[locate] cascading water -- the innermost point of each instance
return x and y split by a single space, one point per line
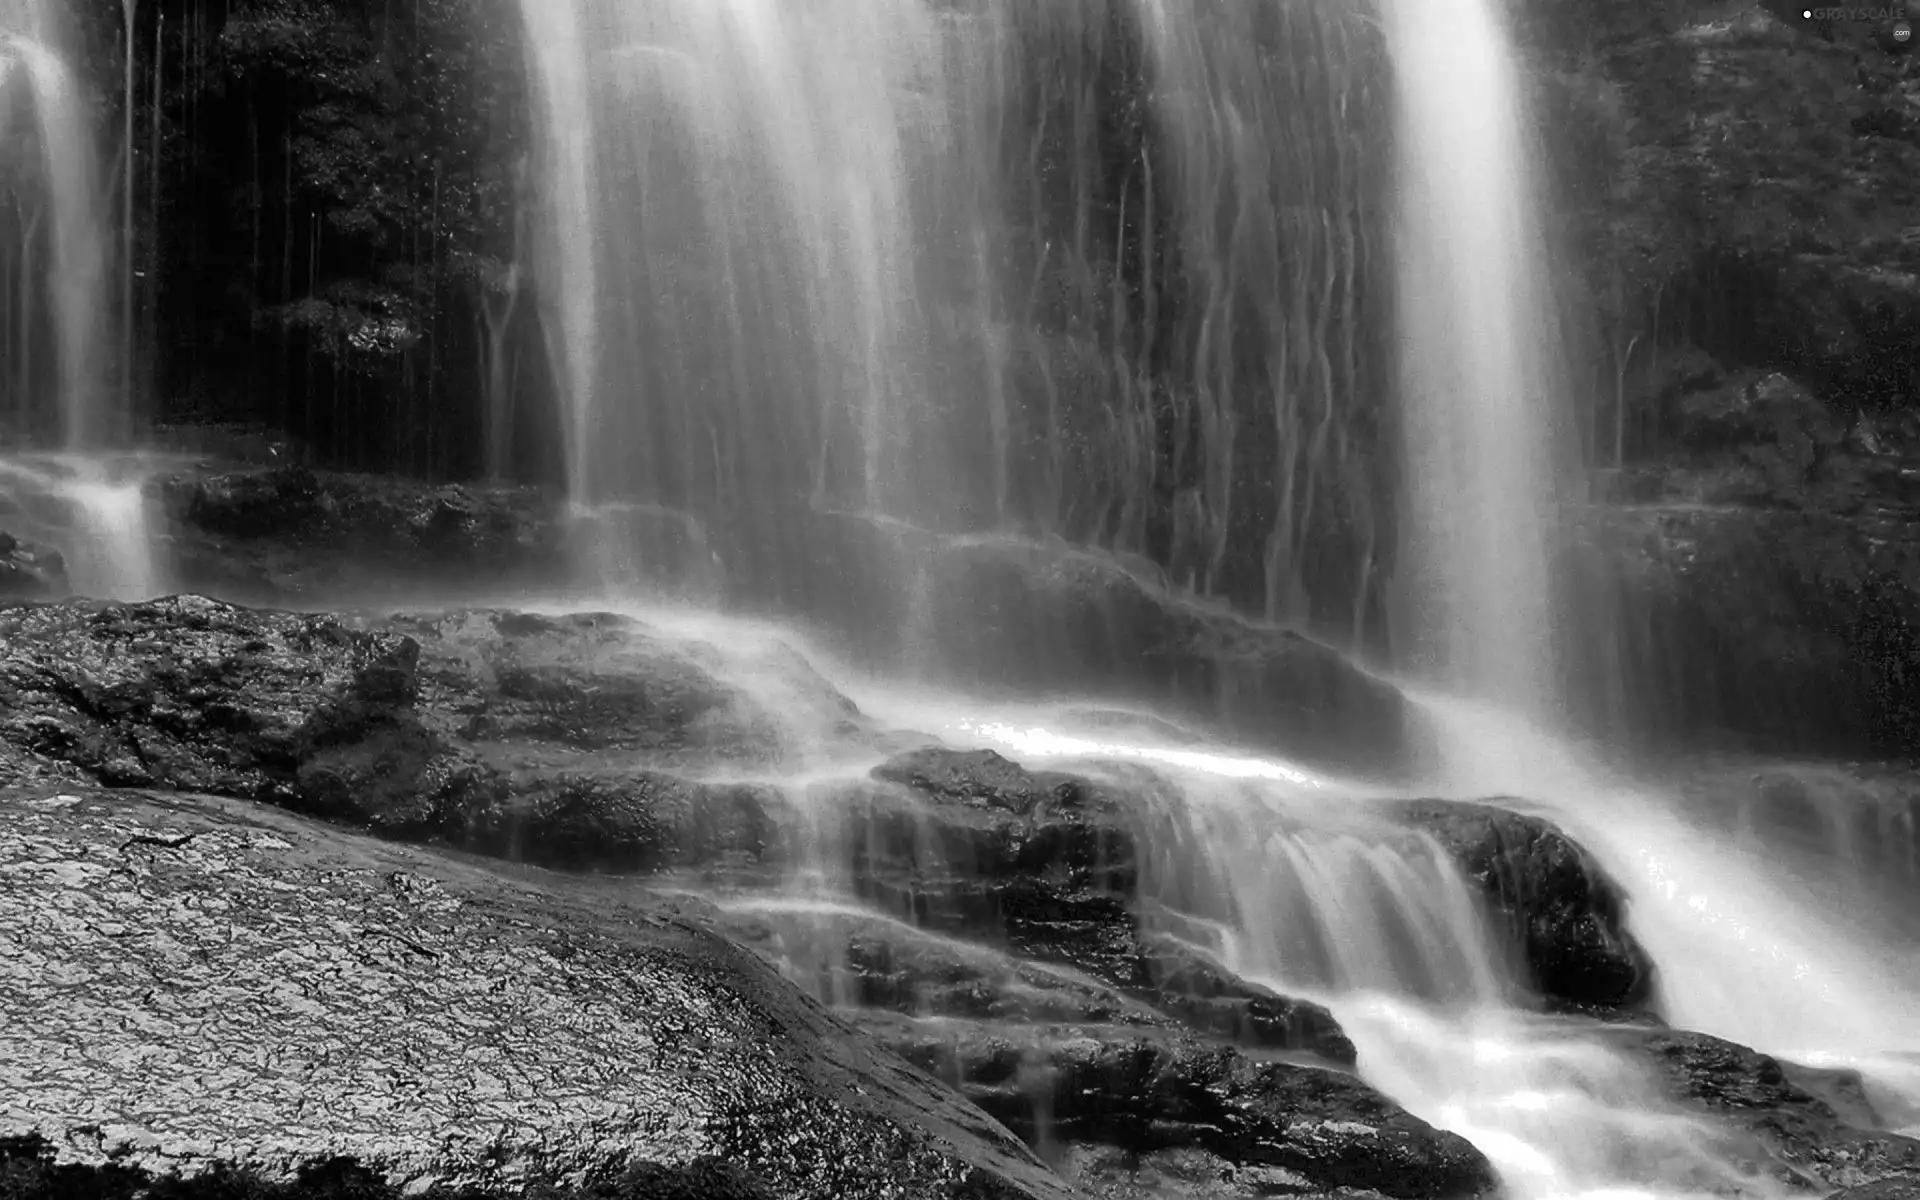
88 499
789 302
907 289
729 276
1481 385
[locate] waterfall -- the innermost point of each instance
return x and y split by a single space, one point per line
731 268
1744 951
1103 272
1480 369
1046 269
73 209
89 498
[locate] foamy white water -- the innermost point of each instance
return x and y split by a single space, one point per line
96 513
1747 949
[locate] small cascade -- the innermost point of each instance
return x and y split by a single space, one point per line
1559 1112
1748 948
1321 902
113 545
96 512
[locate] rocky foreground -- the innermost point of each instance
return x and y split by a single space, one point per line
532 979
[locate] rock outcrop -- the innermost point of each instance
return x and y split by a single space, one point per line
1563 913
191 985
1318 1128
1739 180
592 741
1026 615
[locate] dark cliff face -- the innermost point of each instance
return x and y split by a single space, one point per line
335 209
1739 188
326 217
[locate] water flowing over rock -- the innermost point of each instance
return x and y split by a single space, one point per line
1817 1128
1000 613
985 919
1568 918
504 733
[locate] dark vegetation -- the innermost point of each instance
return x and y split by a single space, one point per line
326 198
28 1172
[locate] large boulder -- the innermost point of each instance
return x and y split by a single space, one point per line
1035 616
558 740
193 986
1047 865
1563 912
192 694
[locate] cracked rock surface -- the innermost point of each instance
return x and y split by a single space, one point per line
193 982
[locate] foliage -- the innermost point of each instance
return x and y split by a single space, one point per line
393 116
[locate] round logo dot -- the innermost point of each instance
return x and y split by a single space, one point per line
1902 32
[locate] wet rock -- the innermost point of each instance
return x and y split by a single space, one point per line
196 695
1046 864
853 960
30 572
1041 615
1816 1127
286 534
1036 616
1111 1173
507 734
193 986
1897 1188
971 843
1736 183
600 683
617 821
1320 1127
1565 915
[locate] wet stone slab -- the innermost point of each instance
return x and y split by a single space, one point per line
190 984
